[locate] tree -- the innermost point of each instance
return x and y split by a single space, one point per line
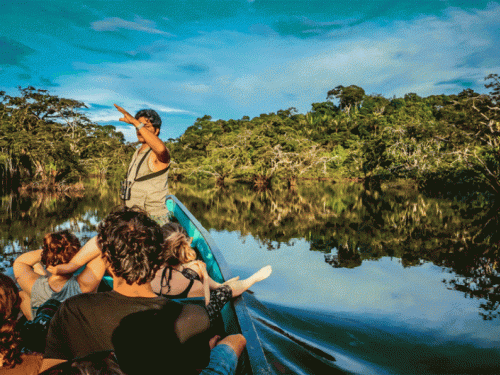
47 139
349 97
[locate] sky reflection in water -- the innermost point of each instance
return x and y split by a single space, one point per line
381 293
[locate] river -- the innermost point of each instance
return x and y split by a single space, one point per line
385 281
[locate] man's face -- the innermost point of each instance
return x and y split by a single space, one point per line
148 126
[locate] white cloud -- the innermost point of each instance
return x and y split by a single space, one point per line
196 88
115 23
248 74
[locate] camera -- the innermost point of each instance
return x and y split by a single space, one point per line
125 190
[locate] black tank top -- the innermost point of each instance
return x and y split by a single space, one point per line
165 281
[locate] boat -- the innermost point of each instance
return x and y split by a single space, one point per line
235 314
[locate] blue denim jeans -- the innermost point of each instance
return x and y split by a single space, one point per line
223 361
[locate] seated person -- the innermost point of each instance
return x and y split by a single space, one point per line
12 362
183 276
37 287
101 363
131 244
152 356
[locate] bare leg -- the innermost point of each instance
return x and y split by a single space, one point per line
239 286
26 304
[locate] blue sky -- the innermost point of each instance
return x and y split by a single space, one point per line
231 58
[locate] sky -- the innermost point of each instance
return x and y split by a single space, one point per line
235 58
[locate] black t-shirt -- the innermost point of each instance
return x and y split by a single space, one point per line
85 324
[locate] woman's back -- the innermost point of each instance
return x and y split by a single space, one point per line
43 274
177 283
52 287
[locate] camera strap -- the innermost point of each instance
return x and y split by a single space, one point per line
152 175
138 165
148 176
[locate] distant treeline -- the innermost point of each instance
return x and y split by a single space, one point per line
439 140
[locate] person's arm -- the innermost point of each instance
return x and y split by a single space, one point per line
49 363
161 156
23 269
201 269
92 275
87 253
237 342
38 268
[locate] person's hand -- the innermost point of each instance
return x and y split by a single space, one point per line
54 270
63 269
214 341
127 117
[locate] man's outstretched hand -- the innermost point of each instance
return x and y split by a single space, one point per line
127 117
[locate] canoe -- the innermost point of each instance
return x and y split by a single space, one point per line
235 314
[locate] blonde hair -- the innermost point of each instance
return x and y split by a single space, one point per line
177 245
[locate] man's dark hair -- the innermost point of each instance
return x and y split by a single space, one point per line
151 115
132 244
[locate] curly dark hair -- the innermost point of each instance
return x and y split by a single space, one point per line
10 341
132 244
59 248
151 115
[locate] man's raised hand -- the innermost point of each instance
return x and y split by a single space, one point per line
127 117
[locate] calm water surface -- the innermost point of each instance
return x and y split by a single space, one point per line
363 282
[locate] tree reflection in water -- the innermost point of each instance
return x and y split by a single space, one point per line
26 218
350 224
345 221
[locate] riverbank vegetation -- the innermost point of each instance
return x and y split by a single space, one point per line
439 141
46 143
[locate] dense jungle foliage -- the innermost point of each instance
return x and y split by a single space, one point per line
436 140
46 140
441 141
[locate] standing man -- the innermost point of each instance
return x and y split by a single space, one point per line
146 182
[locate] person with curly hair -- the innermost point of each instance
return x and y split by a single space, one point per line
12 362
132 245
38 284
184 276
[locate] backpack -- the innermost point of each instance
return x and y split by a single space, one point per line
34 332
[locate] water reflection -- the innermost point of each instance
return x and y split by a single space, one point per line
357 273
25 218
350 225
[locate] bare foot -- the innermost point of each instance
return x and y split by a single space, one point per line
261 274
240 286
